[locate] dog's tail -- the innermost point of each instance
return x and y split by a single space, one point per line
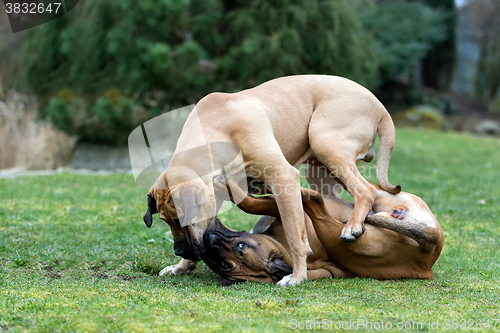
387 134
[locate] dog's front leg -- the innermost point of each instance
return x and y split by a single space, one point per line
184 266
288 197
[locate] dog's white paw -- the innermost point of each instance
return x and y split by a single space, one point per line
290 280
175 270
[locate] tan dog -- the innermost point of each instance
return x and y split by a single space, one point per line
404 240
276 125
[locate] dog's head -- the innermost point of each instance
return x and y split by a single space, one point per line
178 205
404 206
240 256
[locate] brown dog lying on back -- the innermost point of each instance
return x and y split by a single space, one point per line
403 239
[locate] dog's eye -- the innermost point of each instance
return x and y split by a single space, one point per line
224 265
241 245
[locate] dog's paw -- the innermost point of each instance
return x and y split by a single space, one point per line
351 233
357 231
347 234
176 270
290 280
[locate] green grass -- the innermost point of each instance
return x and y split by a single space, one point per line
76 256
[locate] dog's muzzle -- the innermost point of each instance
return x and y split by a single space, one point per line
210 239
213 239
187 251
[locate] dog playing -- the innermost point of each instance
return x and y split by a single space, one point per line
277 125
403 239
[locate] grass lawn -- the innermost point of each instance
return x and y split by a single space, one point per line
76 256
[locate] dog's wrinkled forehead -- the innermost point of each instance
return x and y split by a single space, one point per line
220 240
221 250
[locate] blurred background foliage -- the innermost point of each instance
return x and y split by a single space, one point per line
404 33
106 66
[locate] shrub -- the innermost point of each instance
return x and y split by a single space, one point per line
404 32
110 119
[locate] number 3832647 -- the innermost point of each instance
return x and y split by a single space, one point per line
32 8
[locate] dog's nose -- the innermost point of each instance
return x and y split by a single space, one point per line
211 239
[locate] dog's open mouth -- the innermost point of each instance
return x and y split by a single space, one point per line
277 267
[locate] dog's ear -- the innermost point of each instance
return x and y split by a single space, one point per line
148 217
262 225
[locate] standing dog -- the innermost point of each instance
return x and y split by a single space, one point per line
276 125
402 240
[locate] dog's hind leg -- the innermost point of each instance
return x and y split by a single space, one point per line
338 143
363 193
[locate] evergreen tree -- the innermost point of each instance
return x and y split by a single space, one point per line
107 66
404 32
